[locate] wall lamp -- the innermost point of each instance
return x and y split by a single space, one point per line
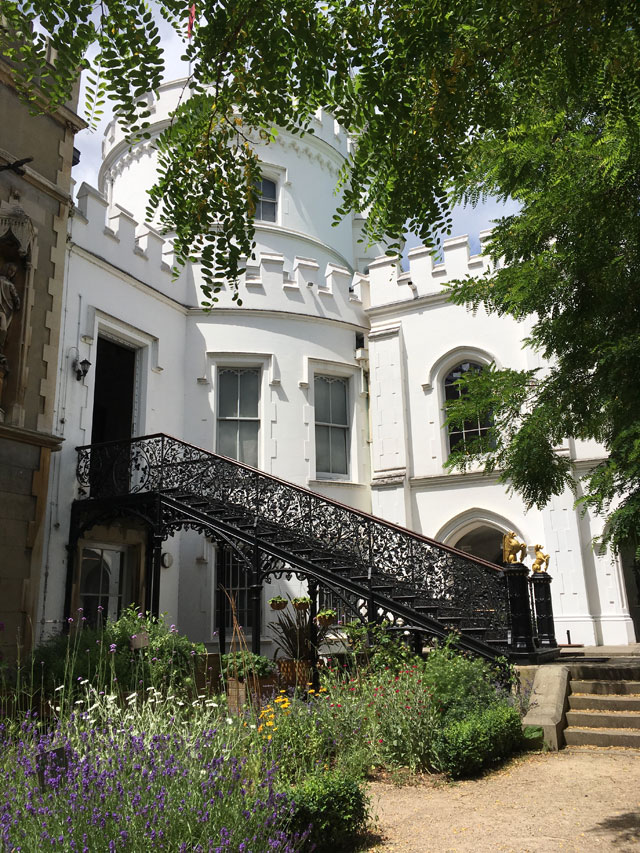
81 368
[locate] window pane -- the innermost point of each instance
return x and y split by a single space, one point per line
249 391
338 402
228 394
323 455
338 450
266 211
228 438
248 449
322 400
232 575
267 189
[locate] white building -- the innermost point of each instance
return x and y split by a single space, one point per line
331 375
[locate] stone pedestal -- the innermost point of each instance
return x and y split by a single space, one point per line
541 586
522 639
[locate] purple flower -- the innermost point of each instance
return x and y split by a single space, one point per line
70 620
112 648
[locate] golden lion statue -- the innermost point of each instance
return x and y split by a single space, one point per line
511 547
541 562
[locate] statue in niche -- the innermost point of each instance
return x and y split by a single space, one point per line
511 548
9 305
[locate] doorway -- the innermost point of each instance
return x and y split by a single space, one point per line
484 542
113 401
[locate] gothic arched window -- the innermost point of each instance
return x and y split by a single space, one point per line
453 389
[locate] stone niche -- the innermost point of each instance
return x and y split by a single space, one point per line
17 242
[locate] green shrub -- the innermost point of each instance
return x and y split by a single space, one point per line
336 807
103 656
463 747
460 685
243 664
376 645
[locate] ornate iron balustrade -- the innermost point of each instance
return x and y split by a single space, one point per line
376 553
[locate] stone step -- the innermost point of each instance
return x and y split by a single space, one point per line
605 687
604 719
629 738
600 702
611 670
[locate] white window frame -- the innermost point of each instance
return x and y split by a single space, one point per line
348 427
475 431
440 369
275 200
269 376
238 369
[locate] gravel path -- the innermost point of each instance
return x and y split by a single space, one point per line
574 800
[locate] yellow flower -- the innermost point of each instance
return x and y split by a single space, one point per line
270 723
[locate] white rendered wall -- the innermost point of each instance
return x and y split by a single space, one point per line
293 325
305 170
416 337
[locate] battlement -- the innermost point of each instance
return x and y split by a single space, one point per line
426 275
135 248
269 283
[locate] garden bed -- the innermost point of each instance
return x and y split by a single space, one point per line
148 766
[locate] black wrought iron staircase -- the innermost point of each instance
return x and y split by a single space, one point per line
378 569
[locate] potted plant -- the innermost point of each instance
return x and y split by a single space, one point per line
247 675
292 634
301 602
278 602
325 618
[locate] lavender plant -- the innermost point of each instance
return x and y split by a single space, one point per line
107 785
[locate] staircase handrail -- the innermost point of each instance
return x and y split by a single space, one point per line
84 479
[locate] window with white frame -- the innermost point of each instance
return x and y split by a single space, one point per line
453 389
238 413
332 426
267 204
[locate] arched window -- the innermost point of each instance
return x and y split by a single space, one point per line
267 205
471 429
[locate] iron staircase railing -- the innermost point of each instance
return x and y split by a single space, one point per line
384 570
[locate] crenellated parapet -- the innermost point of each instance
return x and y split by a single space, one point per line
111 234
269 283
427 275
